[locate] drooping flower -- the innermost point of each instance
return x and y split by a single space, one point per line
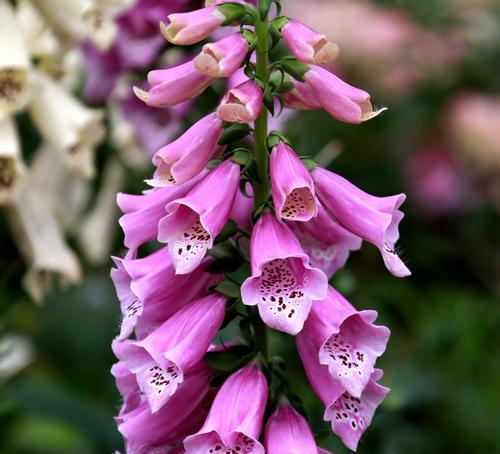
181 415
142 213
193 222
11 164
350 416
292 186
234 421
307 45
283 284
150 292
375 219
222 58
288 432
163 358
339 99
242 104
345 340
172 86
14 63
192 27
300 97
186 157
325 241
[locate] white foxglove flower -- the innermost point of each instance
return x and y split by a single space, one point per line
11 165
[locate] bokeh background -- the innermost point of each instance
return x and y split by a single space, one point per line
436 65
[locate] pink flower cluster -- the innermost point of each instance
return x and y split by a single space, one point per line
174 302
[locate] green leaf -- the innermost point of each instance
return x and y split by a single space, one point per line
250 36
233 133
242 157
295 68
228 288
279 22
310 164
269 101
213 163
234 12
227 232
264 6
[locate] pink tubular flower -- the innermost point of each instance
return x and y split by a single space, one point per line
162 359
235 418
192 27
300 97
283 285
350 416
181 415
242 104
173 85
339 99
223 58
307 45
326 242
241 211
150 292
193 222
287 432
184 158
375 219
345 340
292 186
142 213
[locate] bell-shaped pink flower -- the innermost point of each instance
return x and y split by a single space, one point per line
193 222
162 359
288 432
183 414
339 99
350 416
375 219
186 157
283 285
142 213
234 421
345 340
325 241
307 45
192 27
300 97
224 57
173 85
241 211
292 186
242 104
150 292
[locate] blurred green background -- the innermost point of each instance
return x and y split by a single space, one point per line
442 362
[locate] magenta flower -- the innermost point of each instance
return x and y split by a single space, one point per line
375 219
242 104
325 241
192 27
292 186
283 285
288 432
193 222
350 416
162 359
142 213
339 99
223 58
234 421
345 340
150 292
307 45
172 86
186 157
242 208
181 415
300 97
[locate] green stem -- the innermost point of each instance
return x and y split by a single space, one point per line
261 187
